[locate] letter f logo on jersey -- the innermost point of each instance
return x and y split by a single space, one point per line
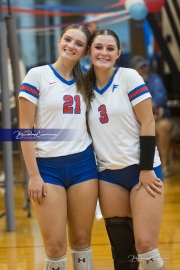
114 87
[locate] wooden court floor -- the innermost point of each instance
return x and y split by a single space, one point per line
23 248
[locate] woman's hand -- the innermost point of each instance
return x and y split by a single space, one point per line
150 182
36 188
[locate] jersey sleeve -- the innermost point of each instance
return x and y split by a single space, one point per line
136 88
30 86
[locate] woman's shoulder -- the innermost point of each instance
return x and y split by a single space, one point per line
126 75
38 69
127 71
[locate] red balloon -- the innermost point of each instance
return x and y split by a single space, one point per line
154 5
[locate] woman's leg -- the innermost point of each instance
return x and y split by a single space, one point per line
115 206
82 199
147 215
52 216
114 200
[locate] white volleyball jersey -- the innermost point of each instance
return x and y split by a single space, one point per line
59 106
112 121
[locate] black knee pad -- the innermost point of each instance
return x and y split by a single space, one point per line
121 236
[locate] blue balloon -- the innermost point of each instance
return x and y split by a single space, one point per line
138 11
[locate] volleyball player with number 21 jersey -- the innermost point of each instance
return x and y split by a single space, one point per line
63 184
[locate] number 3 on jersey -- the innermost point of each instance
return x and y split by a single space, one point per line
69 102
103 114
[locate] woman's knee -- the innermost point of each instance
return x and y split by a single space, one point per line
81 240
144 245
55 249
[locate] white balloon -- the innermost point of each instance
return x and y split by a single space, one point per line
129 3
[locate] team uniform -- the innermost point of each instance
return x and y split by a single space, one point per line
115 128
59 107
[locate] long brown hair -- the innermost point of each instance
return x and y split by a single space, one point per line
77 71
90 76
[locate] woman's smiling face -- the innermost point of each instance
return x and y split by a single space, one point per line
104 51
73 44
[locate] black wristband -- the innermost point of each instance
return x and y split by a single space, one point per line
147 150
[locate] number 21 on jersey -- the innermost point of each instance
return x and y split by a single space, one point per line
103 114
71 104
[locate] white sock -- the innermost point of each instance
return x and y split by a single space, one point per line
55 264
82 259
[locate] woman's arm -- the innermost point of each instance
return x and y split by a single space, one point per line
27 115
148 179
143 111
27 112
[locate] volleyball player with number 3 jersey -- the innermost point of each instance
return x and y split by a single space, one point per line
63 184
122 127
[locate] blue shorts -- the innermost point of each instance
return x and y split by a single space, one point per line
127 177
68 170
